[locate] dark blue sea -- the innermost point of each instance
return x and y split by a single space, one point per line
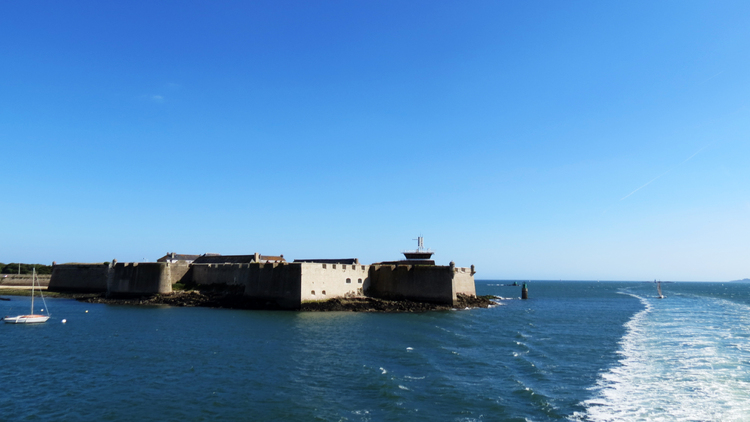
580 351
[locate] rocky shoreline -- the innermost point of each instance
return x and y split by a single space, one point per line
233 300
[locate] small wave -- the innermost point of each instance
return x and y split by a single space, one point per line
383 371
403 387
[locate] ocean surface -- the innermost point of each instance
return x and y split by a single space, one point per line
578 351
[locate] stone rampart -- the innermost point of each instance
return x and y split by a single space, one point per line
463 281
143 278
425 283
180 272
229 274
323 281
275 282
75 277
286 284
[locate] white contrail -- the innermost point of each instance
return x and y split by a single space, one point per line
647 183
713 77
650 181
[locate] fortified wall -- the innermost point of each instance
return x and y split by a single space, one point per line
118 278
323 281
423 283
274 282
287 284
143 278
273 279
79 277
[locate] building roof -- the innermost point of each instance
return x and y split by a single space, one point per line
177 256
330 261
407 262
237 259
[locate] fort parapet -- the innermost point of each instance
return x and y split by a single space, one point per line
143 278
424 283
118 278
287 284
79 277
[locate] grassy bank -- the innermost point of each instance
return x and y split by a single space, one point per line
27 292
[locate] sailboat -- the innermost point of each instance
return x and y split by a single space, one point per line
31 318
658 289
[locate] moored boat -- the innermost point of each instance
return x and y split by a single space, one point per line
26 319
31 318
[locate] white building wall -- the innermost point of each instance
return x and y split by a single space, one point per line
463 282
328 281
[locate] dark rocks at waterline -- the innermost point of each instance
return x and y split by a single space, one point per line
379 305
192 298
235 301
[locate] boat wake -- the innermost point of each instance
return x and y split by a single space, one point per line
685 360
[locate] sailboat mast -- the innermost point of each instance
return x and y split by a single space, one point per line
33 275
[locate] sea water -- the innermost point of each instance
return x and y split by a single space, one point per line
580 351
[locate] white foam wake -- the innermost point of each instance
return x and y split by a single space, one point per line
686 358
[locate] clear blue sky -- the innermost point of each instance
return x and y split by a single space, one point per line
536 140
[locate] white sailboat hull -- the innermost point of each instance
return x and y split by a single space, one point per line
30 318
26 319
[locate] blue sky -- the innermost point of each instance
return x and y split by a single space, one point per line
535 140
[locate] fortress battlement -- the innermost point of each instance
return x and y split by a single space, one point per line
273 279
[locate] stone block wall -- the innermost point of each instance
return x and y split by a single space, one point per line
463 281
325 281
229 274
275 282
75 277
426 283
140 278
180 272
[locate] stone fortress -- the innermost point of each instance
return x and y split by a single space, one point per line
274 279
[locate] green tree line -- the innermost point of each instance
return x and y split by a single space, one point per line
12 268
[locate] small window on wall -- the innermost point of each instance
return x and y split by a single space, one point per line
334 266
363 268
312 292
324 266
348 280
324 292
359 281
354 267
